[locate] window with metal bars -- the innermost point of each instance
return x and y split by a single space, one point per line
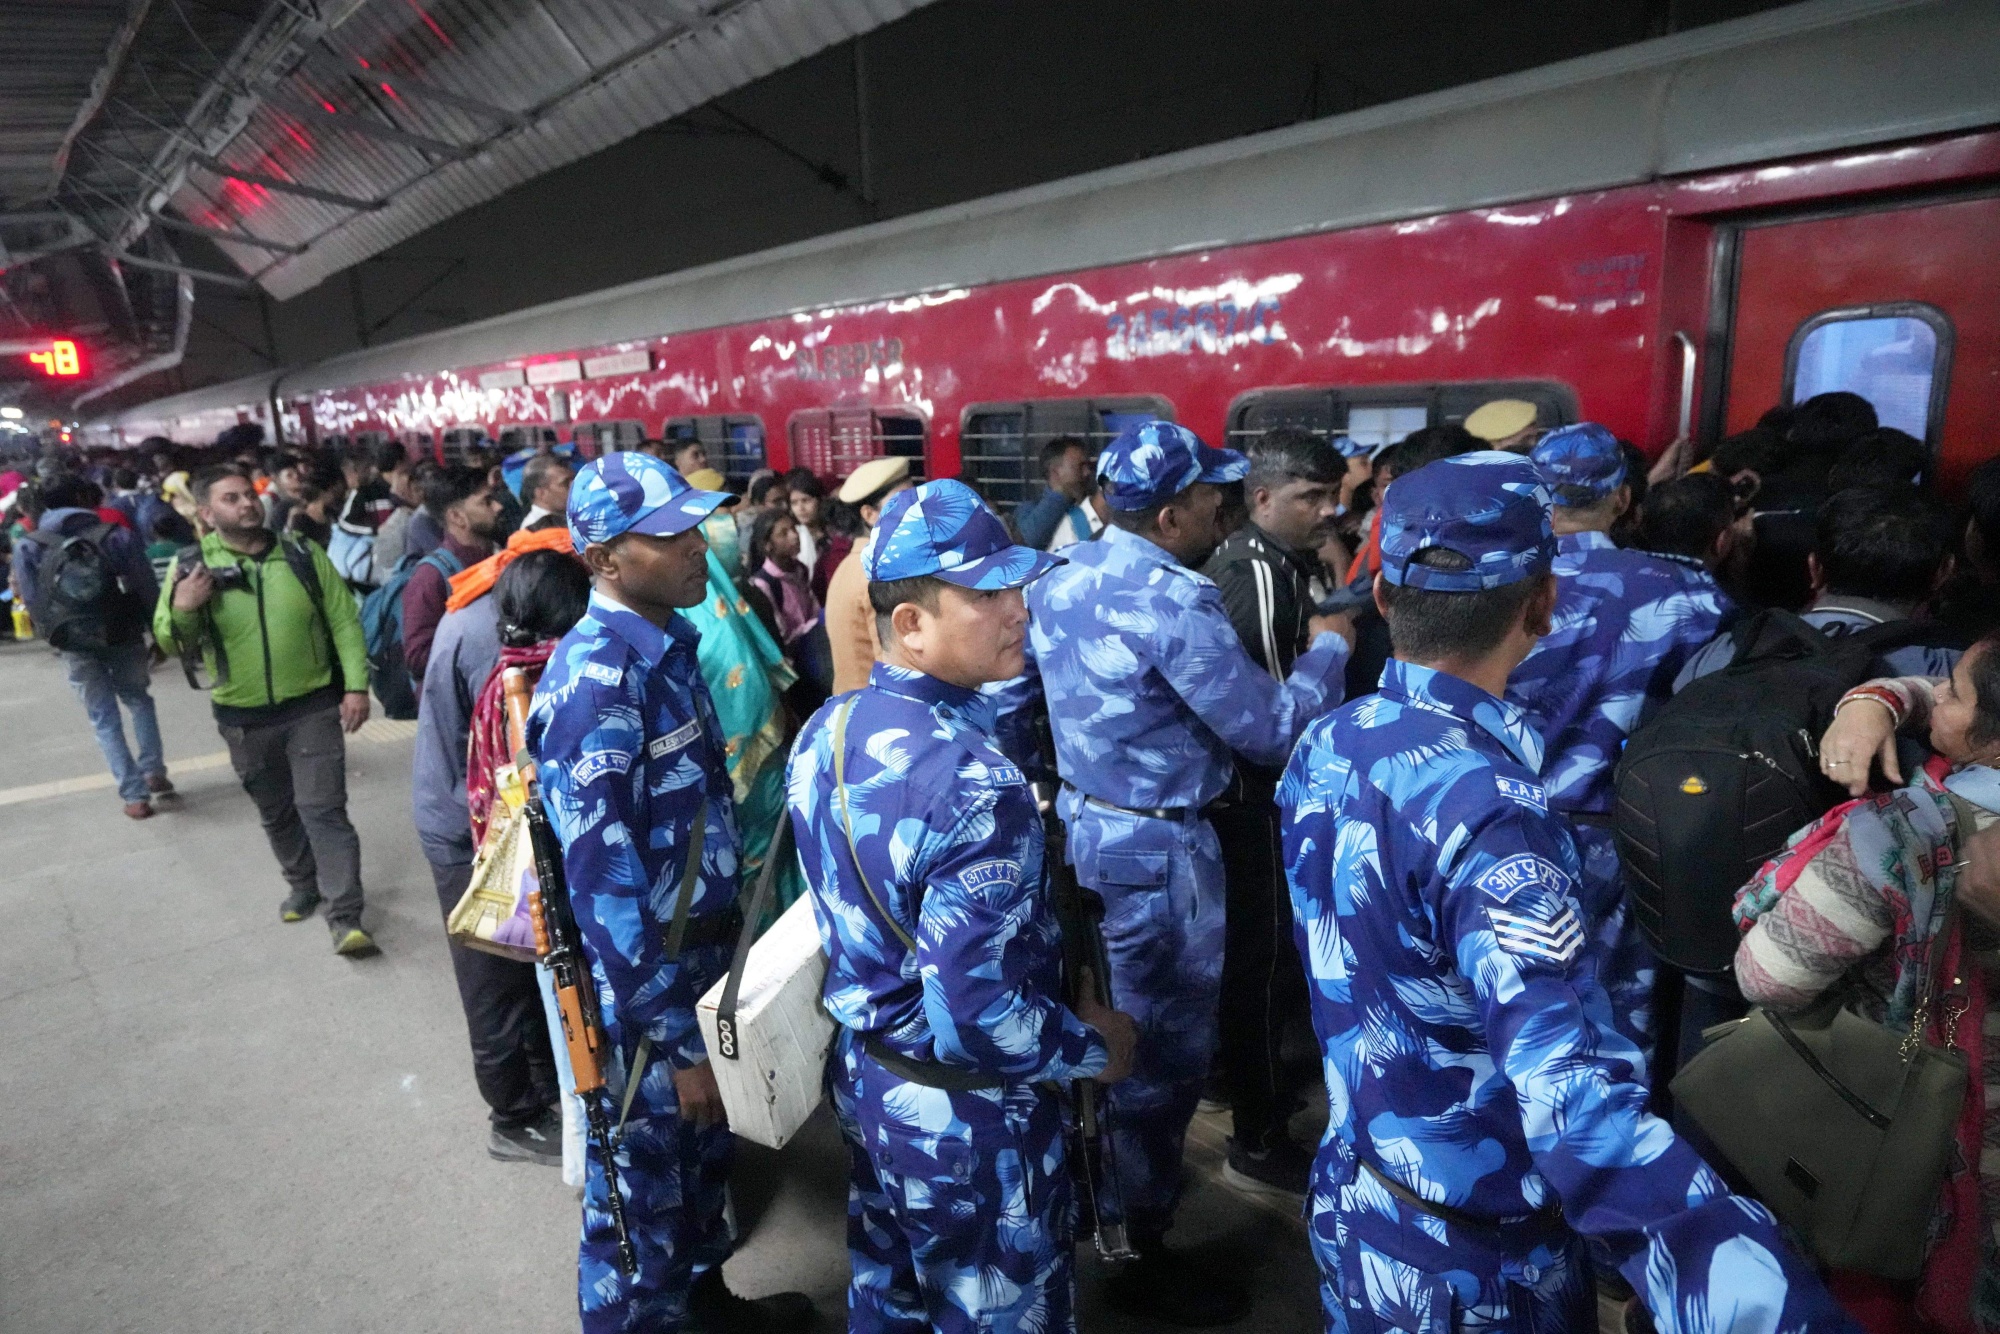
1000 444
834 442
596 439
735 443
517 436
1380 415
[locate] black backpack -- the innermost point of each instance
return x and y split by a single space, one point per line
85 606
1728 769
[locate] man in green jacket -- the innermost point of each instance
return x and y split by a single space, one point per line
281 637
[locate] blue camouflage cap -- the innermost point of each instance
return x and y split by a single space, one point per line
634 493
1350 448
1156 461
1580 463
1490 507
943 528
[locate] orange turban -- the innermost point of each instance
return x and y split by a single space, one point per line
476 581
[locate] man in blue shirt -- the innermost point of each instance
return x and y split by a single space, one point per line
1066 479
1151 697
1625 623
1485 1114
923 852
637 786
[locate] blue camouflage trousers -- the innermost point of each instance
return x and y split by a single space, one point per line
674 1181
1386 1266
1163 891
1626 965
959 1213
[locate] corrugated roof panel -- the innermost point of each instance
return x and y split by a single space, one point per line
587 72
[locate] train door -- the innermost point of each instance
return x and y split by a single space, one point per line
1898 304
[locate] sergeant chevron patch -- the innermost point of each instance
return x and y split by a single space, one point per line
1554 940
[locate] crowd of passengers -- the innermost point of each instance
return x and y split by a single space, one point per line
1817 510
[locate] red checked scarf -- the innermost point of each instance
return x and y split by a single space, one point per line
1899 840
487 750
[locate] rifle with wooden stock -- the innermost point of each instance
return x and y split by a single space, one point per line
561 948
1080 914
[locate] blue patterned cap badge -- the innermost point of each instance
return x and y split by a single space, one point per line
634 493
1155 461
943 528
1489 507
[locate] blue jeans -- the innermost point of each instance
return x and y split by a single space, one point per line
102 681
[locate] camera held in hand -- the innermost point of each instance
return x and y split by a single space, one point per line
225 577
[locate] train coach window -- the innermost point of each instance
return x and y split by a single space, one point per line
1000 444
596 439
833 442
1378 415
454 443
1898 357
516 436
735 444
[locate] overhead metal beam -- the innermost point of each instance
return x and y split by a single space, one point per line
182 270
405 86
309 110
223 234
283 186
100 87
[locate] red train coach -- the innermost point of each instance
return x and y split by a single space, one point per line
1669 238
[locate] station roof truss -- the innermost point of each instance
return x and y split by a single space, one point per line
303 136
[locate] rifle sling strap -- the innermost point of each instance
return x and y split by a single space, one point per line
675 931
847 823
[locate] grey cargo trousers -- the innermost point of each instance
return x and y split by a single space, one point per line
296 772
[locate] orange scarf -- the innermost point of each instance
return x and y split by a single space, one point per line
476 581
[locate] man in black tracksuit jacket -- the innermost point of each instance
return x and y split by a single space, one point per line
1267 573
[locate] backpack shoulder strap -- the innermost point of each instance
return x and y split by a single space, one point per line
300 559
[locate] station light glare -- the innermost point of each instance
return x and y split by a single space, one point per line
10 413
62 359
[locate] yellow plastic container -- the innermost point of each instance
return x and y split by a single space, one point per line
23 627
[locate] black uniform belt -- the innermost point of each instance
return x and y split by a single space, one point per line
1547 1218
931 1074
711 928
1149 812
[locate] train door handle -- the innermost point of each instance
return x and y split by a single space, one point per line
1687 385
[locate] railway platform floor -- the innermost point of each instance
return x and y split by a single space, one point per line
211 1123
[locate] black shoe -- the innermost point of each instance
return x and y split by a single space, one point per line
1177 1289
714 1309
1282 1169
539 1141
299 905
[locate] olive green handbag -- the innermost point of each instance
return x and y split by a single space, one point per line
1842 1126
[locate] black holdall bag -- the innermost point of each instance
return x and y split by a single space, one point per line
84 604
1714 784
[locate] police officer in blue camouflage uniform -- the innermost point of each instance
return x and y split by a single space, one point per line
1485 1114
1150 697
1625 623
633 773
923 853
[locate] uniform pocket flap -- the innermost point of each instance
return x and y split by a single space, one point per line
1132 868
920 1154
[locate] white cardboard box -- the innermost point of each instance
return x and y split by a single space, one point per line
783 1033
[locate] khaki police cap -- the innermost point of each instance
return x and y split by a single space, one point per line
873 476
1501 418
